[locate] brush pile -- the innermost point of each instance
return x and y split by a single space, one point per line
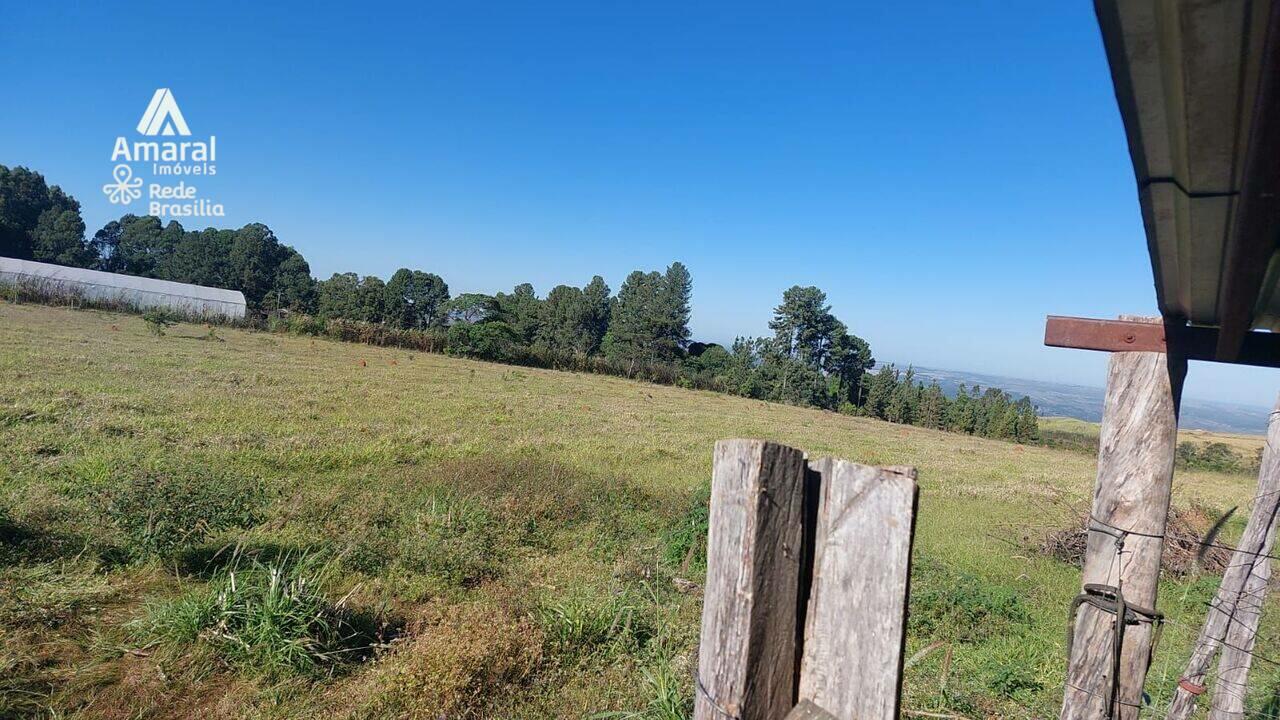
1191 542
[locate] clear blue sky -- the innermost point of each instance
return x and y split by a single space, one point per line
949 174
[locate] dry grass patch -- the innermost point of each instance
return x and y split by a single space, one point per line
459 662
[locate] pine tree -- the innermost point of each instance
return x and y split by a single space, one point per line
522 310
650 318
1028 424
880 391
932 407
960 413
676 307
902 400
596 308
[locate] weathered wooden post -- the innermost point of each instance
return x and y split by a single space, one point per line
750 624
856 624
1233 611
804 613
1105 672
1232 686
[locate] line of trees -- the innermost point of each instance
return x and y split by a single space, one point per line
811 358
898 397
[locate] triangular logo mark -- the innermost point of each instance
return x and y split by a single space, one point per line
162 116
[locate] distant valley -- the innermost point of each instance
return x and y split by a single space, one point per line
1085 403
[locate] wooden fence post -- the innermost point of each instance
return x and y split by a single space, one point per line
804 611
1232 686
1257 540
746 664
1126 530
855 628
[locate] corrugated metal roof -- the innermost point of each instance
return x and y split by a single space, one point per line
1187 74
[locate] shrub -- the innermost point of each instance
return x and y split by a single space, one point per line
268 619
493 340
164 509
297 324
430 340
158 319
1215 457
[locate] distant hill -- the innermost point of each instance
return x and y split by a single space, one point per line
1085 403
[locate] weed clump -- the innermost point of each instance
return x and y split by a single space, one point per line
269 619
453 542
166 509
444 543
584 625
1012 678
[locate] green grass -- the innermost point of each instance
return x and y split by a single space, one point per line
482 540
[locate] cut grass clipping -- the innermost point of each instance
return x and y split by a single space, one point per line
270 619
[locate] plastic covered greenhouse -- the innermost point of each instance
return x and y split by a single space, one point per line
97 287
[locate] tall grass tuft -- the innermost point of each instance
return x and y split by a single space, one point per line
583 625
667 697
269 619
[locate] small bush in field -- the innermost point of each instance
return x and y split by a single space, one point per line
492 340
306 325
1012 678
164 509
268 619
158 319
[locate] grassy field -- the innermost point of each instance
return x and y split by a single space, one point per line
1246 445
241 524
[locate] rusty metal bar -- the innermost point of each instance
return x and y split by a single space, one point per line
1106 335
1195 343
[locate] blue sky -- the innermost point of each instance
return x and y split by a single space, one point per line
949 174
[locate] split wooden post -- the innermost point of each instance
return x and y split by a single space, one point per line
750 623
855 628
804 614
1233 592
1126 530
